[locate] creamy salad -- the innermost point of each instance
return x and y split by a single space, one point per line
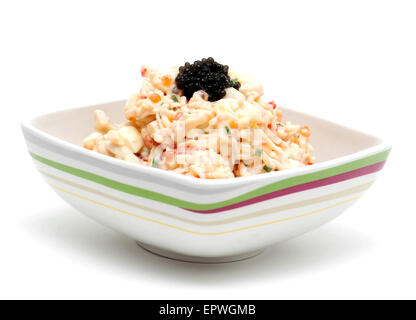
205 121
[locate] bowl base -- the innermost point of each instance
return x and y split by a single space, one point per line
181 257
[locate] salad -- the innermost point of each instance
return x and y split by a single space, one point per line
205 121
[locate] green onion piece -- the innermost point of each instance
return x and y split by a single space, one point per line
155 162
279 124
175 98
234 80
258 152
267 169
227 128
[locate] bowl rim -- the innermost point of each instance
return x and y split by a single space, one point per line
380 146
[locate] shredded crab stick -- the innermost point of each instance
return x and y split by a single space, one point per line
204 121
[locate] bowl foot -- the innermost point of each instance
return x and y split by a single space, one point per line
181 257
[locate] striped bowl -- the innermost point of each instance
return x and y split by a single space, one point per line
203 220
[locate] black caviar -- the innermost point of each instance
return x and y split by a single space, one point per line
207 75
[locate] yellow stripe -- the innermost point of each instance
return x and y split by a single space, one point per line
289 206
206 233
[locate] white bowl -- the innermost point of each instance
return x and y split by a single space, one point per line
199 220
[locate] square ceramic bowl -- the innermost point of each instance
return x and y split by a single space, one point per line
200 220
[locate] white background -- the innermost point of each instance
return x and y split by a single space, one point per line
349 61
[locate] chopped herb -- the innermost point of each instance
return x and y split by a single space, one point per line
235 80
175 98
279 124
161 103
258 152
155 162
227 128
267 169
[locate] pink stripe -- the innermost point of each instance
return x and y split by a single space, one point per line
301 187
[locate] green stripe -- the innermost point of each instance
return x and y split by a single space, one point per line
283 184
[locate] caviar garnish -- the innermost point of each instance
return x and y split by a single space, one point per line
155 98
207 75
